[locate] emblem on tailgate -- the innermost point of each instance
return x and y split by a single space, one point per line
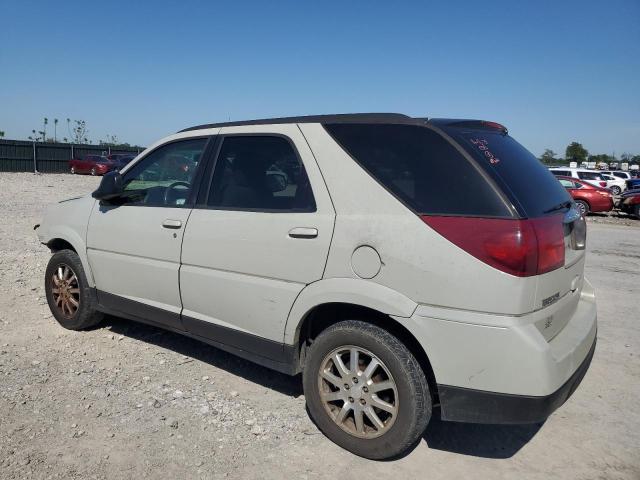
549 300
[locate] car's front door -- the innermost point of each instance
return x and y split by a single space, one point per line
256 239
133 244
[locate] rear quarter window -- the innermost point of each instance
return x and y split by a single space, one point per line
421 168
527 182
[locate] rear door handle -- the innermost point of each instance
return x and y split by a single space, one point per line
175 224
302 232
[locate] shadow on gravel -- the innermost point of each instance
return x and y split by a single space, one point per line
487 441
285 384
478 440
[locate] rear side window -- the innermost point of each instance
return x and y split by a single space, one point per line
260 173
527 181
421 168
565 173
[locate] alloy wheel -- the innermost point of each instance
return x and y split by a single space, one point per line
358 392
65 290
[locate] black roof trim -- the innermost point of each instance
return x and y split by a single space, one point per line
337 118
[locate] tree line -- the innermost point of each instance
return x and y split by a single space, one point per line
575 152
77 133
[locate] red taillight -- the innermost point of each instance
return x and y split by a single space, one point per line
518 247
603 184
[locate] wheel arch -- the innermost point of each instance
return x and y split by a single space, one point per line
326 302
67 238
324 315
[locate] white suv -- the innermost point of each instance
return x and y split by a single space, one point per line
331 246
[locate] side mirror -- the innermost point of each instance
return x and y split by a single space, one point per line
110 187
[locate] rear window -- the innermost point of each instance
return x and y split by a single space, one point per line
523 177
421 168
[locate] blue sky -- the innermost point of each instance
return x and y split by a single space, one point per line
553 72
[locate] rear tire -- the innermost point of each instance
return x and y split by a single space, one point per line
73 170
583 207
93 171
70 299
616 190
636 211
397 384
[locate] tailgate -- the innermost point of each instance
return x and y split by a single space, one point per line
568 280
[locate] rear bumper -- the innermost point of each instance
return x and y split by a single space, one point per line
477 406
493 368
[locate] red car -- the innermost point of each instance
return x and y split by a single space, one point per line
587 197
93 164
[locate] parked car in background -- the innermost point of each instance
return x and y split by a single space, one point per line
592 177
588 198
388 291
100 164
630 203
92 164
615 184
618 173
633 183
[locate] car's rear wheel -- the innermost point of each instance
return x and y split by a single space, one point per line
70 299
616 190
73 170
583 207
93 171
636 211
365 390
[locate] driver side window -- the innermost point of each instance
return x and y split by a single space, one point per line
165 176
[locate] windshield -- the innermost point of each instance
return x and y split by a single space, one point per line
523 177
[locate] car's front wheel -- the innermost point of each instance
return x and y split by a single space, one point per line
365 390
94 171
69 297
616 190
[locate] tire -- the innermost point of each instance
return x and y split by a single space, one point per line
409 396
93 171
616 190
583 207
65 278
73 170
636 211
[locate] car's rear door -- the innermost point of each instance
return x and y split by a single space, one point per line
258 235
134 245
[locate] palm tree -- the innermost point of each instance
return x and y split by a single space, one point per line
55 130
44 129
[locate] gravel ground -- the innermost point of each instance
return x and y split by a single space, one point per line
127 400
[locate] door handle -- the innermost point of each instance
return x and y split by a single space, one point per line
175 224
302 232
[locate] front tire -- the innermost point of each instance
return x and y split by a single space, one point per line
70 299
365 390
616 190
94 171
73 170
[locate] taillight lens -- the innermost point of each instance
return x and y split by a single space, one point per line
603 184
518 247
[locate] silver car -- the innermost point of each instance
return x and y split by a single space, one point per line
342 248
